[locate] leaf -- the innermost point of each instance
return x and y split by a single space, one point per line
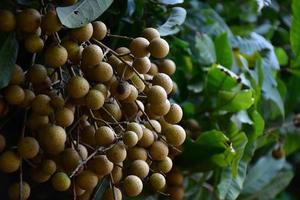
8 56
100 189
235 101
204 49
171 26
82 12
30 3
130 7
282 56
295 30
170 2
262 3
291 143
224 50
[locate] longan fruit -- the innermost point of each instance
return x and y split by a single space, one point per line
121 90
174 115
167 66
159 150
158 48
82 151
109 194
150 34
48 167
17 77
117 153
142 65
176 192
139 168
91 55
50 22
102 88
94 99
28 147
135 127
157 95
132 96
157 181
100 30
70 159
117 173
87 180
74 50
14 94
174 177
104 135
175 135
164 81
138 83
125 70
132 186
53 139
14 191
36 74
41 105
77 87
39 176
8 21
100 165
57 101
29 20
102 72
82 34
36 121
2 143
55 56
123 51
114 109
130 138
147 138
9 162
61 181
139 47
33 44
164 125
153 69
64 117
153 125
29 97
160 109
87 135
165 165
137 153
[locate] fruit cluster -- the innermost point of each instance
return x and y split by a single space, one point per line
91 113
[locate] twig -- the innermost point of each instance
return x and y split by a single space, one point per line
119 36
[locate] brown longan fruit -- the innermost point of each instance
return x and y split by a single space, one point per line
153 125
124 51
138 83
28 147
36 121
100 30
175 177
53 139
87 180
158 48
165 165
132 186
33 44
139 168
125 70
157 95
167 66
109 194
100 165
102 72
157 181
121 90
55 56
114 109
135 127
159 150
48 167
132 96
39 176
50 22
87 135
94 99
64 117
2 143
153 69
17 77
36 74
142 65
29 97
74 50
29 20
139 47
117 173
176 192
117 153
82 150
57 101
160 109
82 34
9 162
41 105
14 94
8 21
147 139
175 135
137 153
70 159
130 138
174 115
150 34
61 181
77 87
91 55
104 135
164 81
102 88
14 191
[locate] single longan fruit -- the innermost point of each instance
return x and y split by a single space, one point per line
28 147
121 90
104 136
147 139
9 162
8 21
164 81
123 51
92 55
176 192
17 77
41 105
137 153
175 177
94 99
34 44
117 173
29 20
87 135
165 165
82 34
157 181
39 176
102 72
82 151
132 96
53 139
14 191
139 168
142 65
153 69
36 74
78 87
138 47
158 48
36 121
74 50
87 180
125 70
157 95
100 165
175 135
100 30
167 66
153 125
114 109
48 167
61 181
138 83
132 186
57 101
150 34
50 22
159 150
14 94
29 97
174 115
70 159
135 127
2 143
109 194
130 138
160 109
64 117
117 153
55 56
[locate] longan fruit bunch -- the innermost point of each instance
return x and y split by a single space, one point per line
92 112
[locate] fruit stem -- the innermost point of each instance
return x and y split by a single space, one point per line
119 36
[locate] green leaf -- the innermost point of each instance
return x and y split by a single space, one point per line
295 30
170 2
204 49
100 189
291 143
262 3
282 56
8 56
82 12
171 26
223 50
258 124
